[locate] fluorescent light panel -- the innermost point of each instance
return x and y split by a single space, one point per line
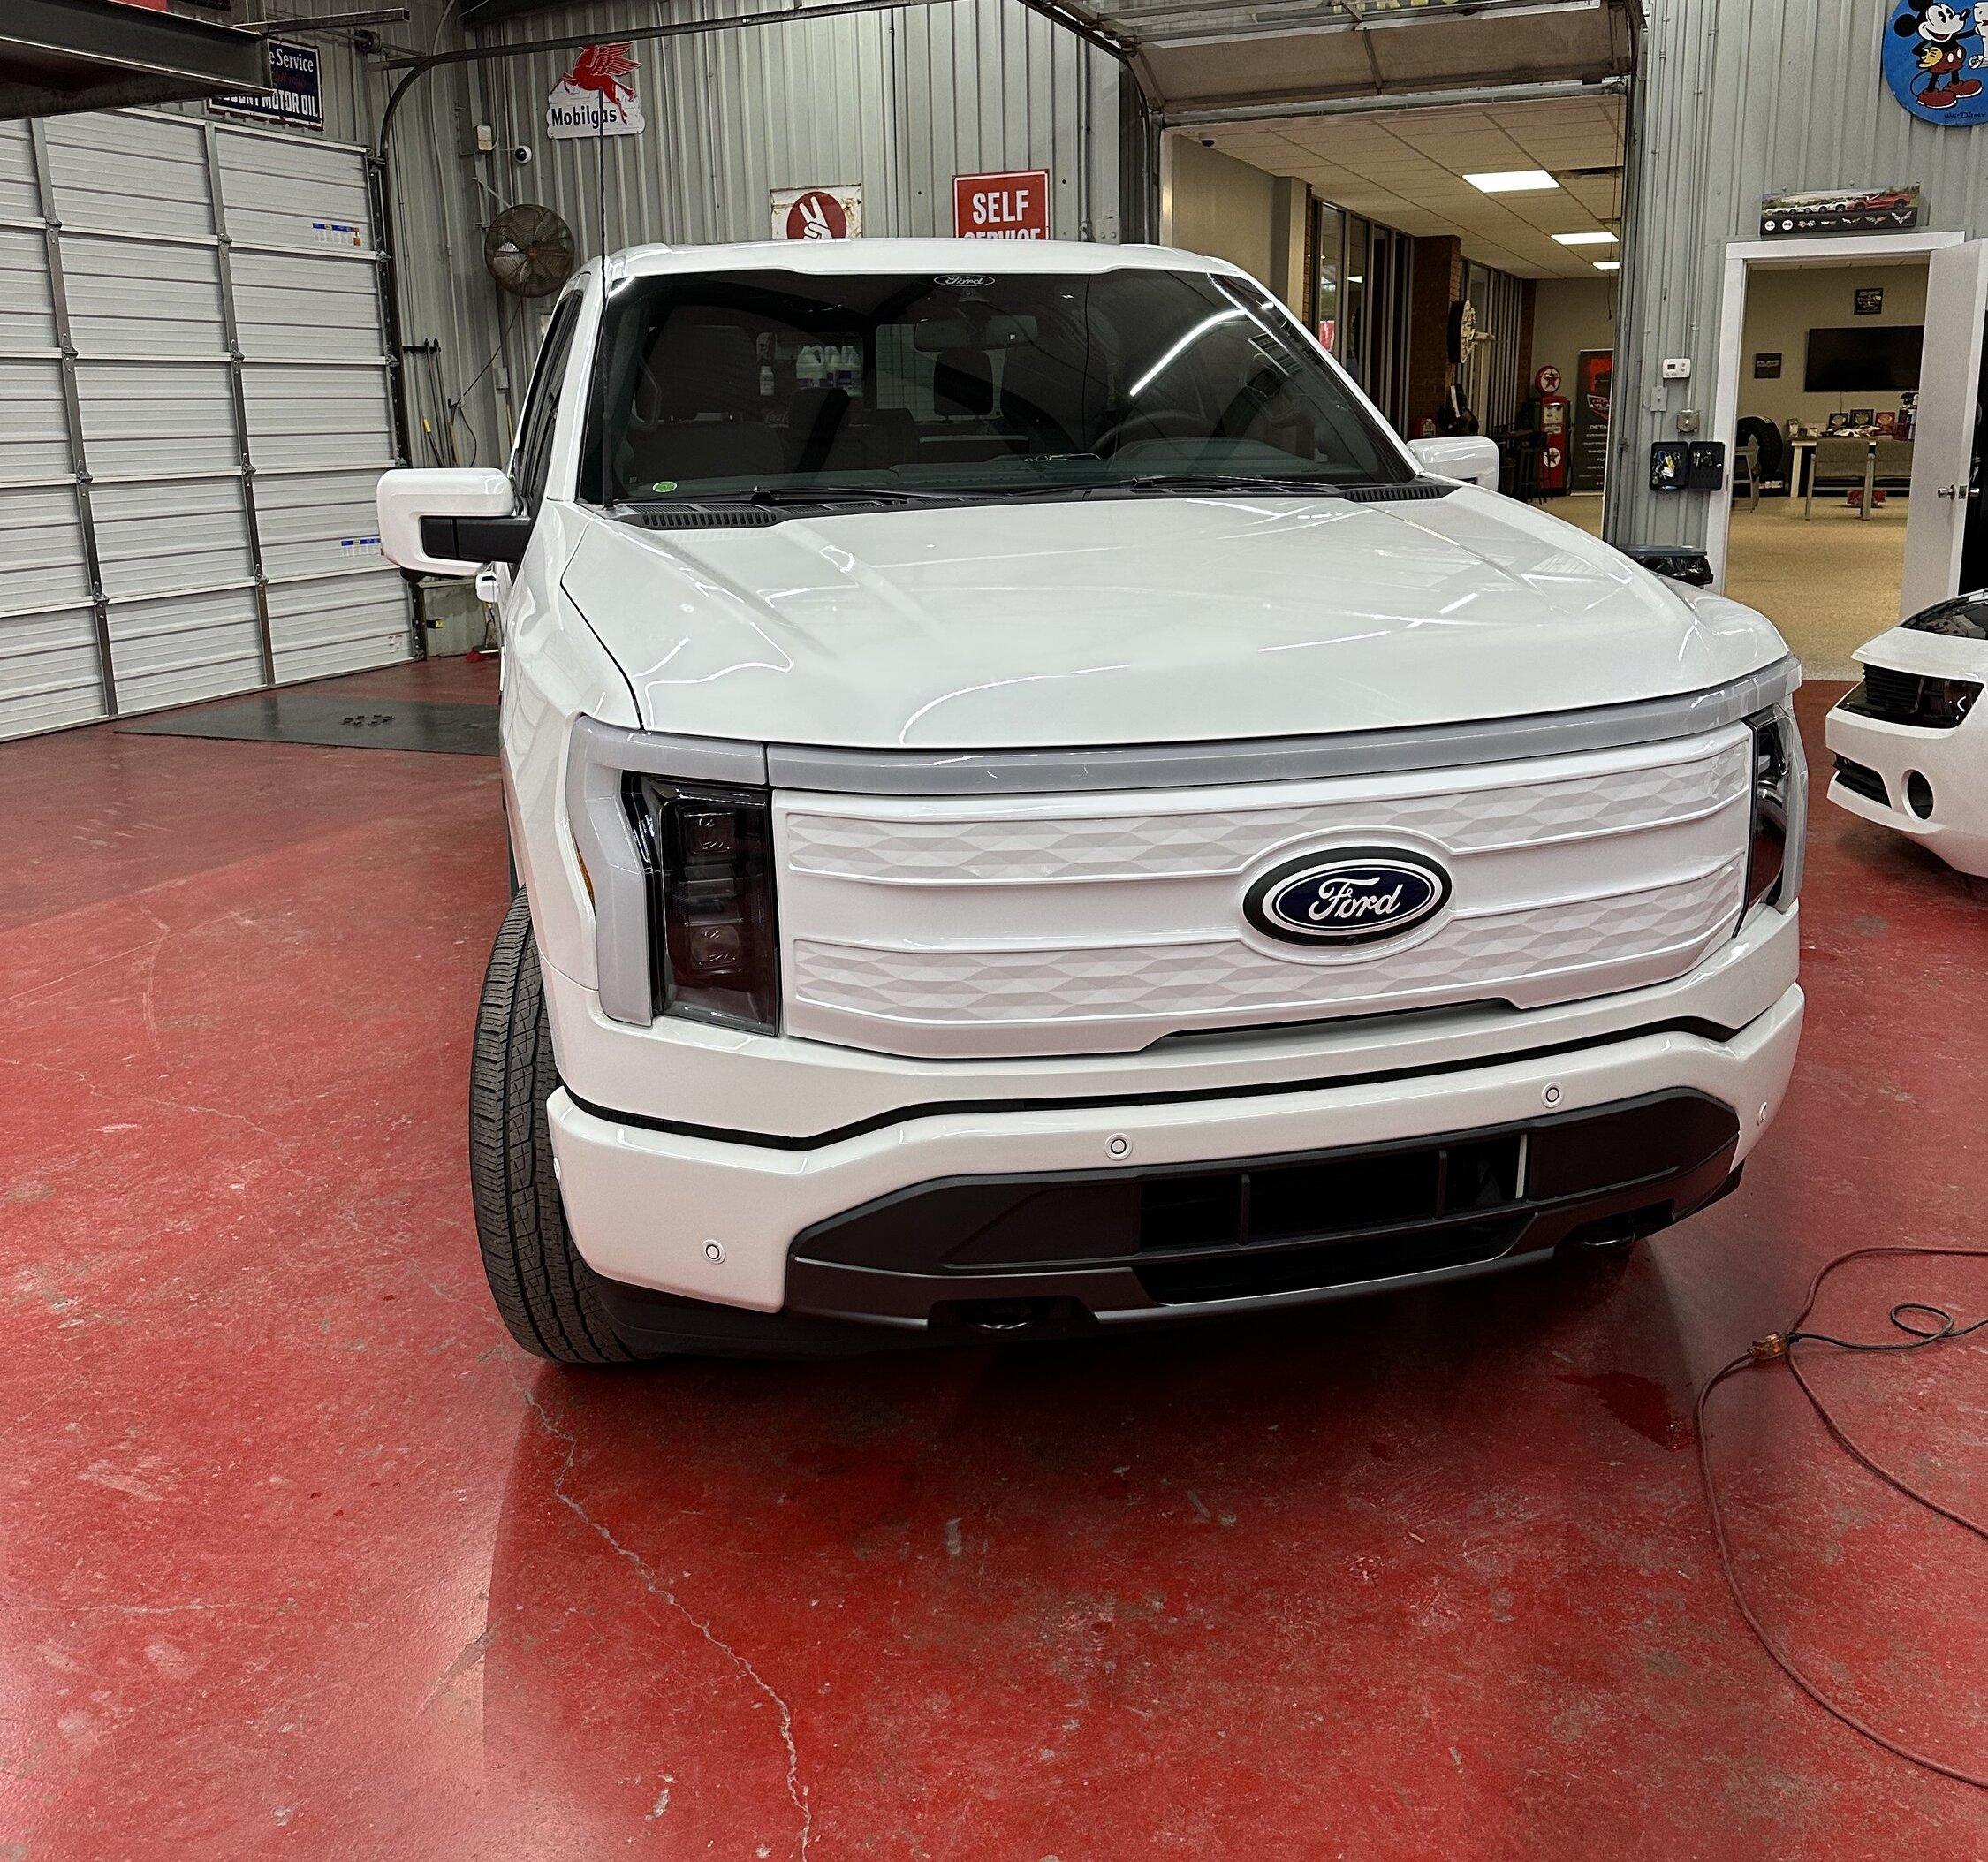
1513 180
1608 264
1585 238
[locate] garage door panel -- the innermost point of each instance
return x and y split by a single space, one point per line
20 198
292 308
318 523
41 559
338 624
156 538
26 305
48 671
126 298
131 174
326 418
157 418
292 193
33 423
208 574
184 647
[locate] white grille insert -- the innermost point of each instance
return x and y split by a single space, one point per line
1037 924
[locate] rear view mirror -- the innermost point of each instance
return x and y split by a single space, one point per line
1467 456
451 521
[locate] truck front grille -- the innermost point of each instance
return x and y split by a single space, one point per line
1102 923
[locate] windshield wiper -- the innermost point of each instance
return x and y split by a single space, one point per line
1189 484
785 495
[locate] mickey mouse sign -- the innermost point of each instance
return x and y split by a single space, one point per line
1936 61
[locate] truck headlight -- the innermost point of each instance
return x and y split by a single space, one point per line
675 843
714 941
1779 809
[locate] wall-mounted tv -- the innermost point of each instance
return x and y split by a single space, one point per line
1863 361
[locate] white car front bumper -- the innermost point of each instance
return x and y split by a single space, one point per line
1953 763
714 1215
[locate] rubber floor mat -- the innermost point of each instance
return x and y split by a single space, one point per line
365 723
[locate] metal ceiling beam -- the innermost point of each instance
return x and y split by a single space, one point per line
60 56
1157 23
1264 110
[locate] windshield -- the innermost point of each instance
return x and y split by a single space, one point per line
788 385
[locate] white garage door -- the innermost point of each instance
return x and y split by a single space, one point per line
192 359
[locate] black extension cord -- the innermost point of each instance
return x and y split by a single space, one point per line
1922 1325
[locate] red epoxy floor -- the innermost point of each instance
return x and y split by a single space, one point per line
302 1557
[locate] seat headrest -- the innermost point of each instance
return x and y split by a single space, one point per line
818 410
703 368
963 383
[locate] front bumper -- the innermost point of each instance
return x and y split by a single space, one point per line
716 1221
1954 762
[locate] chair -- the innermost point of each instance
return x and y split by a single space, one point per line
1746 472
1844 461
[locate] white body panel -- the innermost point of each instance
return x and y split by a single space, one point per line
1954 762
1154 621
752 1202
1013 949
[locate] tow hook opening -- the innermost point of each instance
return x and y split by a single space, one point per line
1608 1233
1012 1318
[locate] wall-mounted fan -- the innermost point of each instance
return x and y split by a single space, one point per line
528 249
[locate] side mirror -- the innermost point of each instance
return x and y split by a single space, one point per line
451 521
1467 456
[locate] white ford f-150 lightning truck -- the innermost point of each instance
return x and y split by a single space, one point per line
1032 809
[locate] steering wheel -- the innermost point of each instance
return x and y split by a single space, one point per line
1161 424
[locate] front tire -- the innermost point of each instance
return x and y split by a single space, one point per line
548 1297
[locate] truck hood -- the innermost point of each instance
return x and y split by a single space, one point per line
1139 621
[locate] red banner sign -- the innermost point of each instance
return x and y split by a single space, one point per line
1002 207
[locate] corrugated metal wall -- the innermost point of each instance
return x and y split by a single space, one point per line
898 102
1735 99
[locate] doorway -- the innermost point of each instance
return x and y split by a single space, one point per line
1845 389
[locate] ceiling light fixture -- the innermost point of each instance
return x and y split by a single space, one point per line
1585 238
1513 180
1608 264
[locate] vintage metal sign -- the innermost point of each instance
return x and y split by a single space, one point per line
818 213
596 97
296 93
1013 206
1936 61
1855 209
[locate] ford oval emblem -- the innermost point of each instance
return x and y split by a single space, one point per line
1347 895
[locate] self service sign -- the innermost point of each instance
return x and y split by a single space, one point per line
1002 207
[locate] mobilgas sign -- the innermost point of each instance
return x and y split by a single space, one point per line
296 93
596 97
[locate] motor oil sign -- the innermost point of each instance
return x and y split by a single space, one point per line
596 97
296 92
1013 206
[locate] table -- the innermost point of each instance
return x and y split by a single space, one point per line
1871 442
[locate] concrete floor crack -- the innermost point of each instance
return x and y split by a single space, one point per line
655 1586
